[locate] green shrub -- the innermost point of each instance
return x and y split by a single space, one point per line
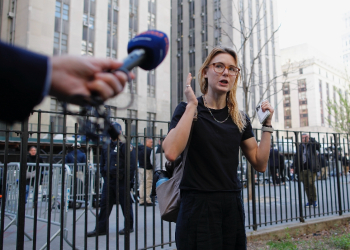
343 241
282 245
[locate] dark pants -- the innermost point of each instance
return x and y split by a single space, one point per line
106 211
308 178
277 174
210 220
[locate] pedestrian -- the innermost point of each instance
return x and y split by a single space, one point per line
345 163
145 164
211 214
276 166
81 156
307 162
115 146
31 158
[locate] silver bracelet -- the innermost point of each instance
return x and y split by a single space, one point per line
267 129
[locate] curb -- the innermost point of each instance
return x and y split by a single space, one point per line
298 228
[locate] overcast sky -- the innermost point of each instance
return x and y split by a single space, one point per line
318 23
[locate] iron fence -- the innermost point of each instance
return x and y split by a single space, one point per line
63 204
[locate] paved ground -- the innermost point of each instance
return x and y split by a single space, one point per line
274 205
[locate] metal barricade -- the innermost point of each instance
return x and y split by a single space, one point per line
80 179
12 190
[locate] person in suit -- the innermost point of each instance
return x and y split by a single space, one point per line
115 146
306 161
27 77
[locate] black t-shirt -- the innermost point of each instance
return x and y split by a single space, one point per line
212 158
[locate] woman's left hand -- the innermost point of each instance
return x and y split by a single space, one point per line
267 106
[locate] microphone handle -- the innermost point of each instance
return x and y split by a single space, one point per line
133 59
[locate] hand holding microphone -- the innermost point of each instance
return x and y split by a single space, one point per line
146 50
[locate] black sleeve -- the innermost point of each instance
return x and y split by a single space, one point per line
22 82
248 130
180 109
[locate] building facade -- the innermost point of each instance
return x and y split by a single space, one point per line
93 28
346 39
311 79
247 26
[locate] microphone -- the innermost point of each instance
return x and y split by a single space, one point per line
146 50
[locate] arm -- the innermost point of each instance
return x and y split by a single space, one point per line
258 155
29 76
175 142
22 77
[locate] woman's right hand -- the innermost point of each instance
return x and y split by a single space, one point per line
190 96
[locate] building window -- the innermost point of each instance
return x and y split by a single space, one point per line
90 51
60 45
64 44
108 53
112 111
112 26
57 119
58 9
133 18
133 115
151 84
301 71
151 16
151 117
132 86
303 110
65 14
217 22
56 40
286 105
321 103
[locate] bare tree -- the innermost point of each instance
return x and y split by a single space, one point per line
339 109
247 28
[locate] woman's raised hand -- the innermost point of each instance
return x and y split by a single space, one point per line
190 96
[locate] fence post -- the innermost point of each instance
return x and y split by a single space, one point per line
127 185
252 178
22 187
338 174
301 216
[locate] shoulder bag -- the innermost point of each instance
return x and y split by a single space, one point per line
168 193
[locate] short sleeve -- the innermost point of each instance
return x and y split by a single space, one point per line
248 130
180 109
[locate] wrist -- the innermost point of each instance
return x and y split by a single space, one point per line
191 106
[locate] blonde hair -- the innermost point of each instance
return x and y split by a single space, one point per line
237 117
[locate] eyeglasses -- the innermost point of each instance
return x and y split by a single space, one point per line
220 68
